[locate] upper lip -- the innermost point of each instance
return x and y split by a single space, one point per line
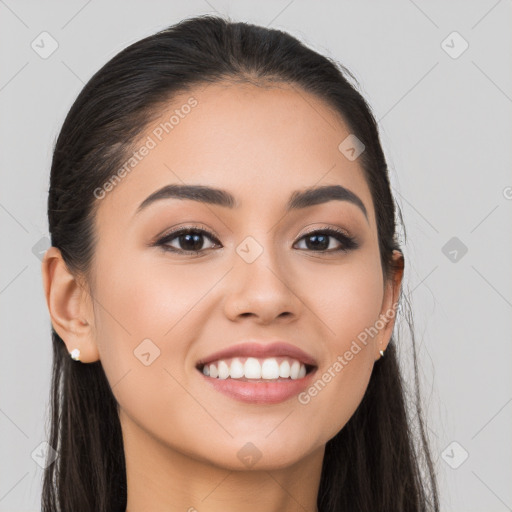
260 350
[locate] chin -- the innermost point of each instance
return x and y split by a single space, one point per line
253 453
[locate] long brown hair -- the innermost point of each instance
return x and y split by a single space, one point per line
378 461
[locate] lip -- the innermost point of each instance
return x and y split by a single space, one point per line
260 350
259 391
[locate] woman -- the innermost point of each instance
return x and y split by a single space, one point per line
223 284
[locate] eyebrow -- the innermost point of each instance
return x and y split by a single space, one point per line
299 199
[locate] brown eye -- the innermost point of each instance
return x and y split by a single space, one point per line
186 240
320 241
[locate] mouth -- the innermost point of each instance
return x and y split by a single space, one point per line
252 369
259 373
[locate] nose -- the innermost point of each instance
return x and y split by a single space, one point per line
262 290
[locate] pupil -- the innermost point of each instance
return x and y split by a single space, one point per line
194 238
323 244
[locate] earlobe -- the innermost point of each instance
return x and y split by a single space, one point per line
390 305
69 306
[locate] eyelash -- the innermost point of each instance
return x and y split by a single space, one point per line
348 243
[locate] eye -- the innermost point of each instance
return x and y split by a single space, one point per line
190 240
186 240
319 240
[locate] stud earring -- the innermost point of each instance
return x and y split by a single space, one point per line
75 354
381 353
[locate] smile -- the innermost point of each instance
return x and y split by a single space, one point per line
260 369
259 373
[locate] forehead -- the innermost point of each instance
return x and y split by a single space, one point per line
260 143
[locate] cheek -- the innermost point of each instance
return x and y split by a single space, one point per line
143 326
147 298
348 302
150 311
349 305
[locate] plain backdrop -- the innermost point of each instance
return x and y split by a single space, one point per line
438 78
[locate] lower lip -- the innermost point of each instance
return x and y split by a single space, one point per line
261 392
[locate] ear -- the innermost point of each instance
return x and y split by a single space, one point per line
389 305
70 306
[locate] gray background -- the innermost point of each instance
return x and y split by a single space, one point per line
445 123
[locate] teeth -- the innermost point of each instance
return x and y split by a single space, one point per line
284 369
253 368
223 370
294 370
213 371
237 369
270 369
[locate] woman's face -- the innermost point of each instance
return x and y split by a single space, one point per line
160 310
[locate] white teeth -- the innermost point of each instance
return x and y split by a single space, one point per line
213 371
237 369
284 370
294 370
269 369
253 368
223 370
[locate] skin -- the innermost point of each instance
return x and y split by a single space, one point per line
181 437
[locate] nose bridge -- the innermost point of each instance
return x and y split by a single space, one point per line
258 257
257 243
260 281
